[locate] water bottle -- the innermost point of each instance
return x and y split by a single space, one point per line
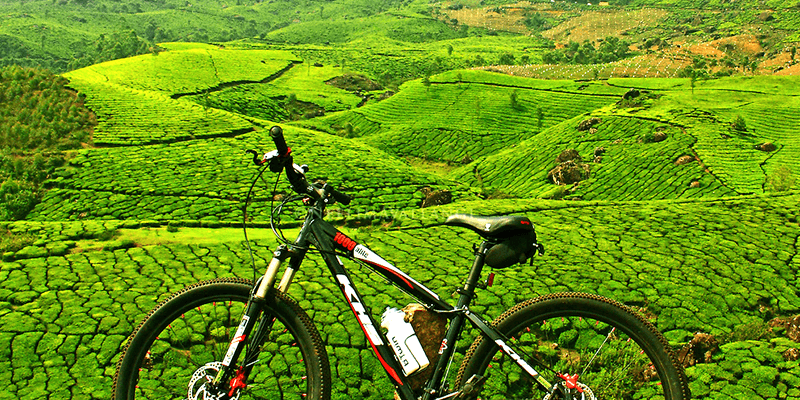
404 341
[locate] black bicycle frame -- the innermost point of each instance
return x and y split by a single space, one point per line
332 243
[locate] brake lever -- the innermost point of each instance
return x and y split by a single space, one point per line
270 158
256 161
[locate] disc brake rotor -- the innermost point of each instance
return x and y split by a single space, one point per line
581 392
200 384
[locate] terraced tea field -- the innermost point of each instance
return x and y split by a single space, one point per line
675 217
644 66
594 25
720 266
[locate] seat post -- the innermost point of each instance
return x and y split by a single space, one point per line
468 291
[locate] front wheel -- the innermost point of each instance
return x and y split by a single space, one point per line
180 346
615 353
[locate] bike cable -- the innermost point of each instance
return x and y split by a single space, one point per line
244 218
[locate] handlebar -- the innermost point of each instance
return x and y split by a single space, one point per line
282 159
276 133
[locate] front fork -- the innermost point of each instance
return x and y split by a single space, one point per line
230 378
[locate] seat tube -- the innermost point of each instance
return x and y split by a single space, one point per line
456 324
468 291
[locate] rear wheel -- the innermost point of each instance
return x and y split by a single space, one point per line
180 347
615 353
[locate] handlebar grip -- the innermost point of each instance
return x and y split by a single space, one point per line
276 133
340 197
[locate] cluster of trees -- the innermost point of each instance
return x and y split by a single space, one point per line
609 49
112 47
39 118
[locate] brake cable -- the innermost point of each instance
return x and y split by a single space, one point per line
244 219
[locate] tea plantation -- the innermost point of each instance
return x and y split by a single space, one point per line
676 197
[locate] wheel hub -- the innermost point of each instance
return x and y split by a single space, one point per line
200 387
570 388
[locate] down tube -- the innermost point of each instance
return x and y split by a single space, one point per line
376 339
398 278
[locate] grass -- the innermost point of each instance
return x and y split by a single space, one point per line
649 254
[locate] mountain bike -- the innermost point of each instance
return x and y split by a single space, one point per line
232 338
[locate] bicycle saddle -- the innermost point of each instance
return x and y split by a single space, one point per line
492 227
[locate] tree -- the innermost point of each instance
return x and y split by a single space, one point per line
449 50
694 75
17 199
506 59
738 124
515 101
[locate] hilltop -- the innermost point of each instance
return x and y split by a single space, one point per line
720 37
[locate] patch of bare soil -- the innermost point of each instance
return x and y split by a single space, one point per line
744 44
354 83
699 350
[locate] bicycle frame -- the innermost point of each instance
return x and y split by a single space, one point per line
332 243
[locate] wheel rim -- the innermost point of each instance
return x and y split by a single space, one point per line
197 338
609 364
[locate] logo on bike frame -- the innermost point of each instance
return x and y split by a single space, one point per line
344 241
358 308
238 338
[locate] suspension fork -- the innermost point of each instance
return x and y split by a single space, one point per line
254 310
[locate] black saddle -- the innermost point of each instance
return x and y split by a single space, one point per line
492 227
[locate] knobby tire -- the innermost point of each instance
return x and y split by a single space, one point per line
192 330
564 332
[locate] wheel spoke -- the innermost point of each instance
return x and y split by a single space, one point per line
190 333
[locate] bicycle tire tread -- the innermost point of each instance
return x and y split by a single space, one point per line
316 339
684 383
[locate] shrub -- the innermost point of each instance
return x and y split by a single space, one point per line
17 199
738 124
781 179
11 242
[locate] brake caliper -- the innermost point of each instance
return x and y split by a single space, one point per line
238 382
571 382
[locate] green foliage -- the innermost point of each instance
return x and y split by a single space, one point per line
609 50
39 117
481 122
17 199
38 112
114 46
537 22
738 124
11 241
781 179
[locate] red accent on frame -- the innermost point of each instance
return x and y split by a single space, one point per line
571 381
238 382
386 366
391 271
